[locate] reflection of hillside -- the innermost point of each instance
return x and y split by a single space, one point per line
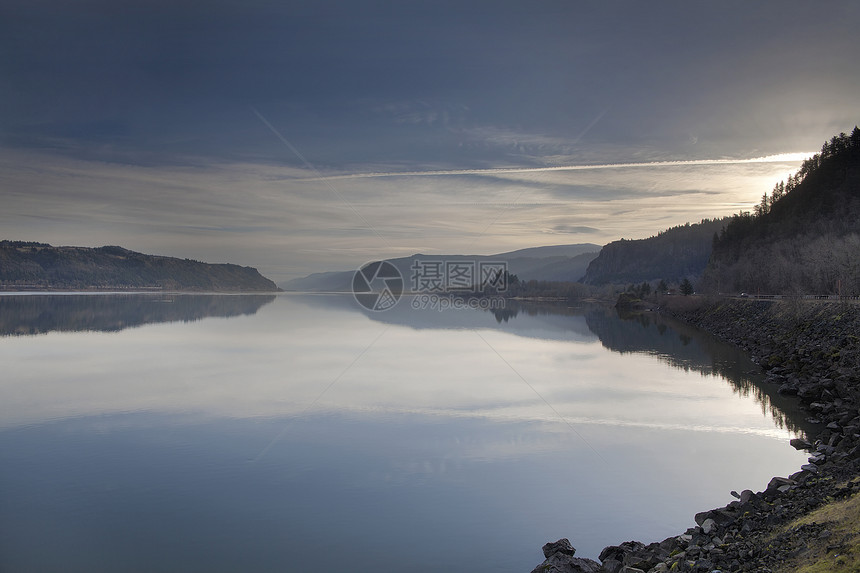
683 346
549 321
36 314
514 307
673 342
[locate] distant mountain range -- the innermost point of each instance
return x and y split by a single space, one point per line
39 266
552 263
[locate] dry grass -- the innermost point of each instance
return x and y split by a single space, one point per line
841 550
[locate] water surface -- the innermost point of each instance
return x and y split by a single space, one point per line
297 433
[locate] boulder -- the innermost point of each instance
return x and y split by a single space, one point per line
618 552
800 444
562 563
787 390
778 482
560 559
721 517
562 546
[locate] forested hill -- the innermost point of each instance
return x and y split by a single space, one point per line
803 238
672 255
26 266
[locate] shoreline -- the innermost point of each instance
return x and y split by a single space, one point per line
8 292
809 350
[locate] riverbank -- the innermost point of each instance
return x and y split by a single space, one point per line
804 521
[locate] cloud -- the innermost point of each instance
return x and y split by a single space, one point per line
777 158
162 76
288 223
575 229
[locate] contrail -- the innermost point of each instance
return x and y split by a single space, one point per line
590 125
782 157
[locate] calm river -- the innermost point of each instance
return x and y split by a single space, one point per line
298 433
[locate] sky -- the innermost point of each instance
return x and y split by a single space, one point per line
299 137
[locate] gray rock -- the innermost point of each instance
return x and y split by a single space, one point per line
787 390
561 563
669 544
779 482
825 449
700 539
643 560
619 551
560 559
562 546
709 526
800 444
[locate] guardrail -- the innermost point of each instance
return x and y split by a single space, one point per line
831 297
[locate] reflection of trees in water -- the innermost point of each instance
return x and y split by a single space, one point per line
505 314
36 314
677 344
513 308
689 349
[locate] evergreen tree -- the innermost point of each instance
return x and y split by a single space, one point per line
855 139
686 287
810 235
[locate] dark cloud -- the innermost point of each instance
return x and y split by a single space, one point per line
389 81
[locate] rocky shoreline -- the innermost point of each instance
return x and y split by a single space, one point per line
811 350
